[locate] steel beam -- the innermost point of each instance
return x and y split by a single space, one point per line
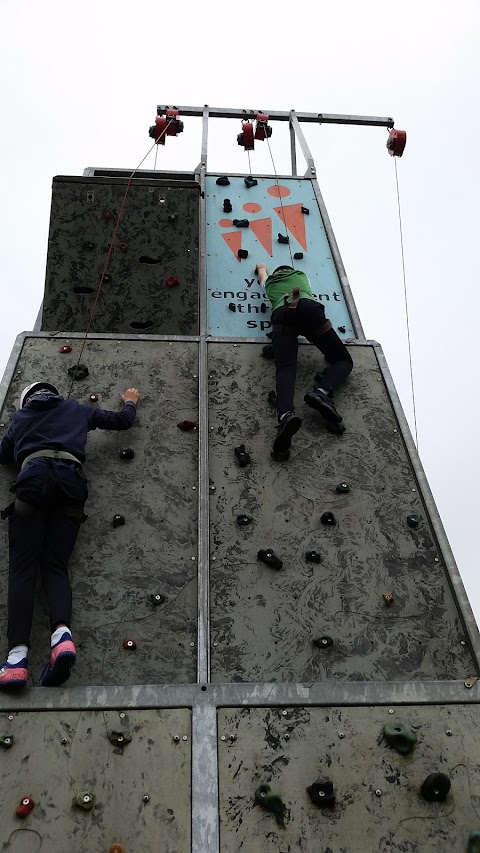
276 115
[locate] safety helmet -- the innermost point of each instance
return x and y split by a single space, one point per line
33 388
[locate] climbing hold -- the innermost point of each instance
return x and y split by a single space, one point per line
172 281
245 138
130 644
242 253
186 425
118 520
242 456
272 398
341 329
78 371
250 182
435 787
313 557
321 793
117 848
93 398
396 142
6 741
269 801
322 642
328 518
305 210
474 842
282 238
400 736
124 247
413 520
298 256
65 349
84 800
336 429
388 598
232 306
241 223
25 807
157 599
223 181
268 557
342 488
267 351
128 453
119 738
227 206
107 214
243 520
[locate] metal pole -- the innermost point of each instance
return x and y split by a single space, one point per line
293 150
205 830
276 115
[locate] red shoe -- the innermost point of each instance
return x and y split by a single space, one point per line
62 657
14 674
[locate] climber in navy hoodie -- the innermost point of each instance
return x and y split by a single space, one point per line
47 437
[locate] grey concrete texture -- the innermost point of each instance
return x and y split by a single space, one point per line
157 239
378 807
263 621
56 756
115 571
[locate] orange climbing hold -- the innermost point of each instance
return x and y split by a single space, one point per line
117 848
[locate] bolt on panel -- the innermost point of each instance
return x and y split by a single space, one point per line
251 222
151 282
335 515
378 803
91 791
118 571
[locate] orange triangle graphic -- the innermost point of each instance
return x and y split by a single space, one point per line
234 241
262 228
294 219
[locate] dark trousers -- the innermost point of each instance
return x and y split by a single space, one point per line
307 319
43 529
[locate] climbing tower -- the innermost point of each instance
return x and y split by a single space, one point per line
219 703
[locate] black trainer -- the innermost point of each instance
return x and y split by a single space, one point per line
287 428
320 401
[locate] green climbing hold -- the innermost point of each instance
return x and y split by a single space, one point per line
269 801
474 842
322 642
267 351
250 182
243 520
313 557
342 488
85 800
400 736
413 520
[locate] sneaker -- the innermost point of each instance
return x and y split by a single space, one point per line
14 674
288 426
62 657
320 401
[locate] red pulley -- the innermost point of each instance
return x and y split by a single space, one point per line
174 125
167 123
158 131
396 142
246 137
262 129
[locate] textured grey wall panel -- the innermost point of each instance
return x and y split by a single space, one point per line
378 806
135 291
114 571
53 773
263 621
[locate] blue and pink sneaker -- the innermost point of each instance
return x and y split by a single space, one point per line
14 674
62 657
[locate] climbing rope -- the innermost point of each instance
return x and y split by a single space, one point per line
155 164
107 261
406 306
281 202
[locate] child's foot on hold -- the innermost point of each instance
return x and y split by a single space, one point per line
14 674
63 655
318 399
288 426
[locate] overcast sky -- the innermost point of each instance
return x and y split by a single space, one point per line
79 87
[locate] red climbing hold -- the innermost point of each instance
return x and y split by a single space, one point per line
396 142
131 645
245 138
93 398
262 128
124 247
186 425
172 281
107 214
65 349
25 807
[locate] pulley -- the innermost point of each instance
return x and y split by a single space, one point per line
246 137
262 128
396 142
166 124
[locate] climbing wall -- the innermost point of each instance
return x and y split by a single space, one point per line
117 572
264 621
151 285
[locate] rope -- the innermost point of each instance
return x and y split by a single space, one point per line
155 164
281 202
406 306
249 163
109 255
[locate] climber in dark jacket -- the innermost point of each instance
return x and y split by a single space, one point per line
47 437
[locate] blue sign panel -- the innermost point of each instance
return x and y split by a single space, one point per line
256 221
